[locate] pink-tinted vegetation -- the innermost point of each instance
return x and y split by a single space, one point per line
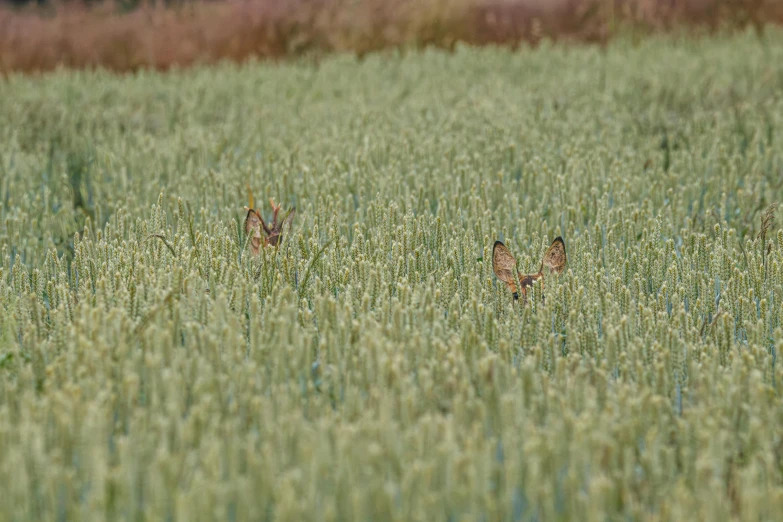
76 36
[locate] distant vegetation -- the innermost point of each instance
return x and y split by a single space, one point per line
129 35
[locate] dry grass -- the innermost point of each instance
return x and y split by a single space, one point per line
76 36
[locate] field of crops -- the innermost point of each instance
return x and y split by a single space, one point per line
373 367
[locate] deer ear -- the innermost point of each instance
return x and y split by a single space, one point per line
251 220
503 264
555 257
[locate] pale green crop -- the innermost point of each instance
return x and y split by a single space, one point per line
373 367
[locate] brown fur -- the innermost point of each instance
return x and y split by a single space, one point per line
503 264
254 223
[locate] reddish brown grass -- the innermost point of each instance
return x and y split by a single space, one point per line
72 35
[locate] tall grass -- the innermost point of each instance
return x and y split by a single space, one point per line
373 368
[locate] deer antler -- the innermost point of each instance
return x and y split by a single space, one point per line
271 229
275 208
275 233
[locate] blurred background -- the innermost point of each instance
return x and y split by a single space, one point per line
125 35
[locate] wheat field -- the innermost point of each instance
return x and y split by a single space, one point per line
372 366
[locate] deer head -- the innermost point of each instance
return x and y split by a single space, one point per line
254 224
504 264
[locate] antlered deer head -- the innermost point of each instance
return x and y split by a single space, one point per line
254 224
